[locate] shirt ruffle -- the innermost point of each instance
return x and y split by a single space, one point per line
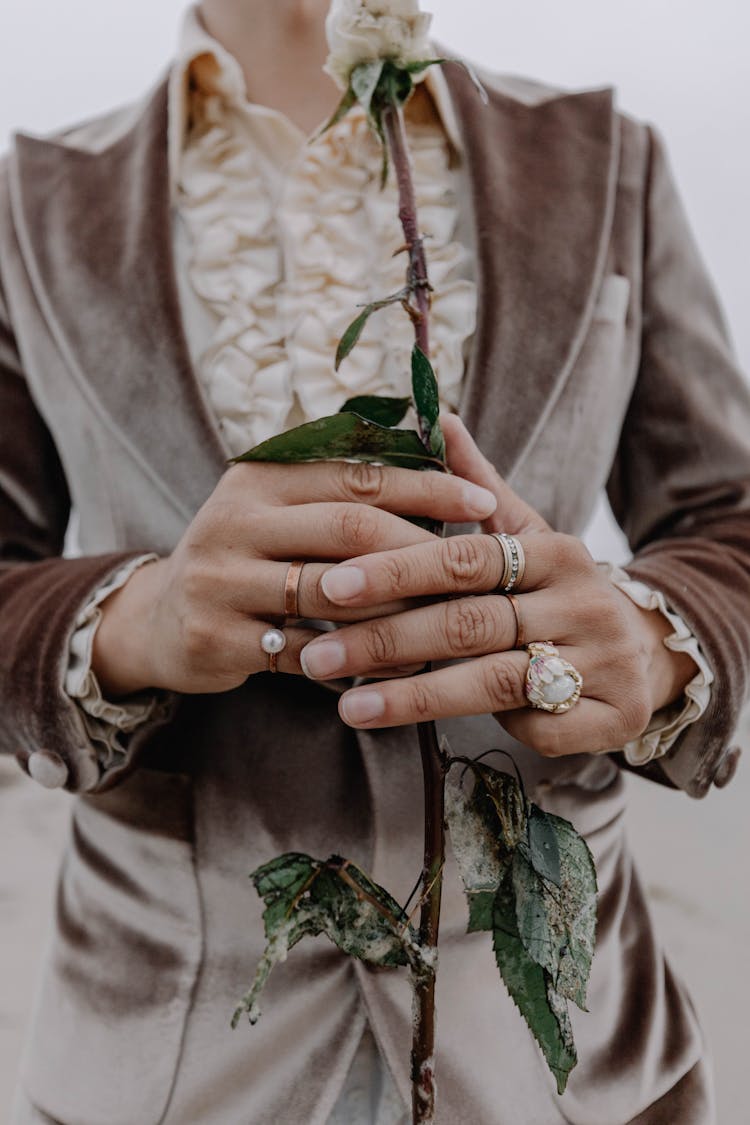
668 724
288 239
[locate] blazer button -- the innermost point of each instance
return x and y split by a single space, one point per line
48 769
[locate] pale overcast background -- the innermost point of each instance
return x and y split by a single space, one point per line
684 67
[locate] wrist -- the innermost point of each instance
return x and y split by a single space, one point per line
669 672
122 649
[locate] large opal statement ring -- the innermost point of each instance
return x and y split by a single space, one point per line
552 684
273 642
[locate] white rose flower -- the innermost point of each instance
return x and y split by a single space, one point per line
361 31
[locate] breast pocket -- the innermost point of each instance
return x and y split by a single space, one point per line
125 954
564 473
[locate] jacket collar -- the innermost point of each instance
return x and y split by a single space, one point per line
95 230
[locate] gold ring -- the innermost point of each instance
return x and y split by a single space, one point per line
552 684
291 589
514 561
520 640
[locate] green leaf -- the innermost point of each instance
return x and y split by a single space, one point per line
538 918
396 85
307 897
427 401
577 904
558 925
364 82
380 409
481 906
545 853
475 840
478 848
349 99
344 436
279 883
354 331
508 802
543 934
423 64
530 988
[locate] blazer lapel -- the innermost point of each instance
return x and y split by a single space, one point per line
543 176
96 231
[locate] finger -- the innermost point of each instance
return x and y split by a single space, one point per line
446 631
449 630
257 589
591 727
477 687
331 531
459 564
467 460
441 496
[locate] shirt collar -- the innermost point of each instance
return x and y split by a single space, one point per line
202 58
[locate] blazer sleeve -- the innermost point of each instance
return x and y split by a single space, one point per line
41 593
680 484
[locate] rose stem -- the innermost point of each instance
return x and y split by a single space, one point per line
433 765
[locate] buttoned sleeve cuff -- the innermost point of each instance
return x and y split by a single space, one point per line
109 725
667 724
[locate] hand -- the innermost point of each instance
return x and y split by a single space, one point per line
193 622
617 647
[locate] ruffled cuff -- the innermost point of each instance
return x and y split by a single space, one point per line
667 724
109 725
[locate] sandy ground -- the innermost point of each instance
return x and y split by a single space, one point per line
693 855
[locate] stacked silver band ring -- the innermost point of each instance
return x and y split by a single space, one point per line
514 561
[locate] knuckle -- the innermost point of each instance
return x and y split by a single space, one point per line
312 599
597 613
421 700
362 482
550 742
198 638
197 581
635 715
614 625
468 626
234 478
503 684
570 554
354 529
397 573
245 483
381 644
465 560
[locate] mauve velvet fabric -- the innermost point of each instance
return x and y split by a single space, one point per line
157 928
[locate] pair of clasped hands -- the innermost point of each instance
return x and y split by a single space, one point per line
401 597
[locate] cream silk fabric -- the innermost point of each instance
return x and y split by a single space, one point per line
277 241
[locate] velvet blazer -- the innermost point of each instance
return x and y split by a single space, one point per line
600 360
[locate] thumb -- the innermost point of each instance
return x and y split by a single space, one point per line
467 460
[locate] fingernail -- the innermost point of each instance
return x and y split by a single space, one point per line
362 706
322 658
343 583
479 501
